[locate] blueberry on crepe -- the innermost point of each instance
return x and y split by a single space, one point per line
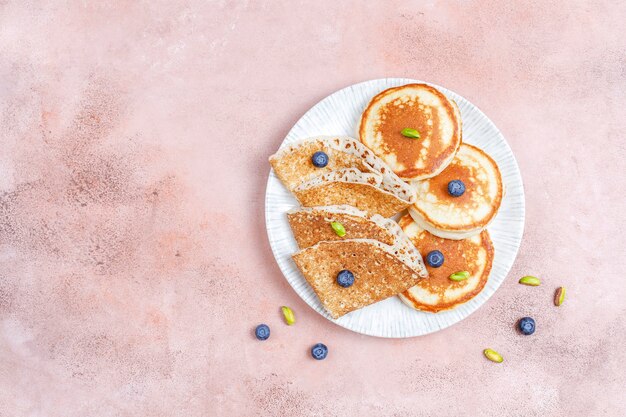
319 159
345 278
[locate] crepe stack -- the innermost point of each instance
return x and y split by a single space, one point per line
374 249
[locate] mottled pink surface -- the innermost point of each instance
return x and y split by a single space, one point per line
134 261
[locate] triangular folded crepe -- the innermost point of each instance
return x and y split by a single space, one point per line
352 169
378 272
311 225
368 191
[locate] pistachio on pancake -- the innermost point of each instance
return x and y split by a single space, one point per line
414 128
311 225
470 259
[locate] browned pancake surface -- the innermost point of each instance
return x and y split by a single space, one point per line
459 255
297 167
436 202
429 150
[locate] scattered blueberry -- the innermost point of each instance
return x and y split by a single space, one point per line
527 325
319 351
320 159
456 188
262 332
345 278
434 258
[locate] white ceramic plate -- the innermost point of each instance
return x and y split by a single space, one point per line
338 114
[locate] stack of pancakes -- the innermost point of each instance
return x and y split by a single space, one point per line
409 153
454 225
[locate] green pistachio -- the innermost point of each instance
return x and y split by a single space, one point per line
530 280
493 356
460 276
338 228
410 133
290 318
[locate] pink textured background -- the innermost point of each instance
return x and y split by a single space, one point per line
134 261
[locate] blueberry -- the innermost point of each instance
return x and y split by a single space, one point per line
262 332
345 278
319 159
527 325
456 188
319 351
434 258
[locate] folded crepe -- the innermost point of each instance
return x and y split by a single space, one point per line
311 225
353 175
379 273
367 191
375 249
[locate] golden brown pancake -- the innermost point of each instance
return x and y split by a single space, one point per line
438 292
369 192
460 217
415 106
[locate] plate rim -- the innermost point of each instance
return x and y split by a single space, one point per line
516 169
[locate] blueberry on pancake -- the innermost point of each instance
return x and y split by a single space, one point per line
463 199
459 279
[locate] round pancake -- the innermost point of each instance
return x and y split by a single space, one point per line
415 106
460 217
438 292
